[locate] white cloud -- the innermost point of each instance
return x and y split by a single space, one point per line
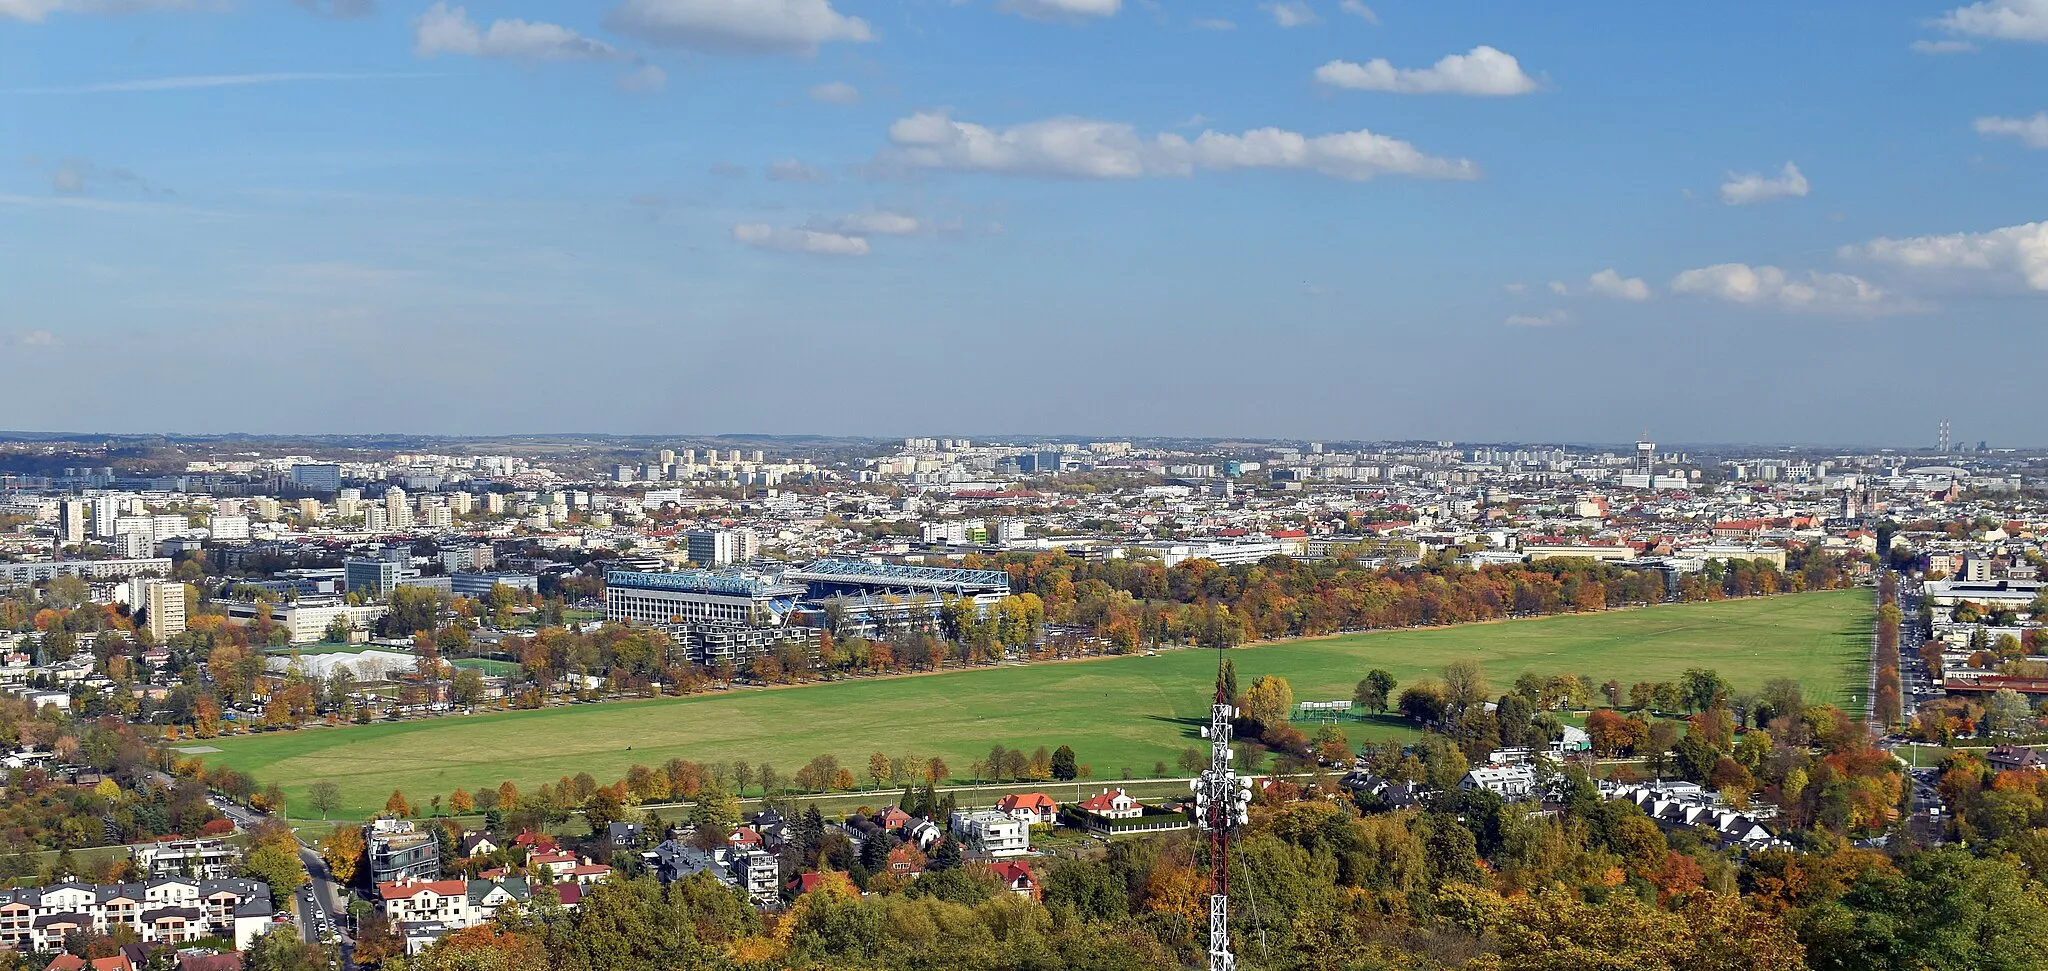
1060 9
2033 132
1292 13
1769 286
1514 287
2002 19
738 26
2019 251
79 175
36 338
1550 319
791 170
1943 47
1751 187
1085 148
1216 23
1359 10
1483 71
1609 283
835 93
1558 287
448 30
873 222
818 242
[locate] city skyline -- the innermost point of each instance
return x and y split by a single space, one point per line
1300 219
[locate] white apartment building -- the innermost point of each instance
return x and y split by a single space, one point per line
164 602
994 833
172 910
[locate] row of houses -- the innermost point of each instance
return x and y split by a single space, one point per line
169 909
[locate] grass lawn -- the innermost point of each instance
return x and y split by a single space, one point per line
1117 713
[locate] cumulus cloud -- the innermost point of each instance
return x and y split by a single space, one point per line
1292 13
36 338
2017 252
1609 283
835 93
791 170
2033 132
1514 287
1483 71
1769 286
2025 20
1943 47
1558 287
1753 187
738 26
814 241
1550 319
1060 9
873 222
1086 148
1359 10
448 30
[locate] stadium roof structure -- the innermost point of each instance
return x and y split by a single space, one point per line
731 583
893 576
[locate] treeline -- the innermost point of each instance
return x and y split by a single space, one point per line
1476 885
1138 600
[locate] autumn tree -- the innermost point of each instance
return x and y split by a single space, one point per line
342 851
1269 701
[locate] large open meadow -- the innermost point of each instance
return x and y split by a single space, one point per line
1117 713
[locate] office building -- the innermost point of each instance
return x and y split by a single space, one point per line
375 578
162 603
324 477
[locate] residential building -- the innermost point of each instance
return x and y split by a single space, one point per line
1031 808
1511 782
28 574
991 833
200 859
453 904
170 909
71 522
398 851
1017 878
1116 804
162 603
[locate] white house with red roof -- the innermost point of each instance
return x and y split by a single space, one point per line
1114 805
1030 808
1017 877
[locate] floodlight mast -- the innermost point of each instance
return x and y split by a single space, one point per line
1221 800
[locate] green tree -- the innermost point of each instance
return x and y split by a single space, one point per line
1373 691
324 796
1063 764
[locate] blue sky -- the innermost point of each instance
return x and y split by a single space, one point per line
1817 222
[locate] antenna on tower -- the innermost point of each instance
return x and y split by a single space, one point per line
1222 804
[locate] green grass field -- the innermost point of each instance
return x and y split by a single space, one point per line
1117 713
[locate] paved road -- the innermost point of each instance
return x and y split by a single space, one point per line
321 906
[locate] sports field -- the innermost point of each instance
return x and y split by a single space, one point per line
1117 713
